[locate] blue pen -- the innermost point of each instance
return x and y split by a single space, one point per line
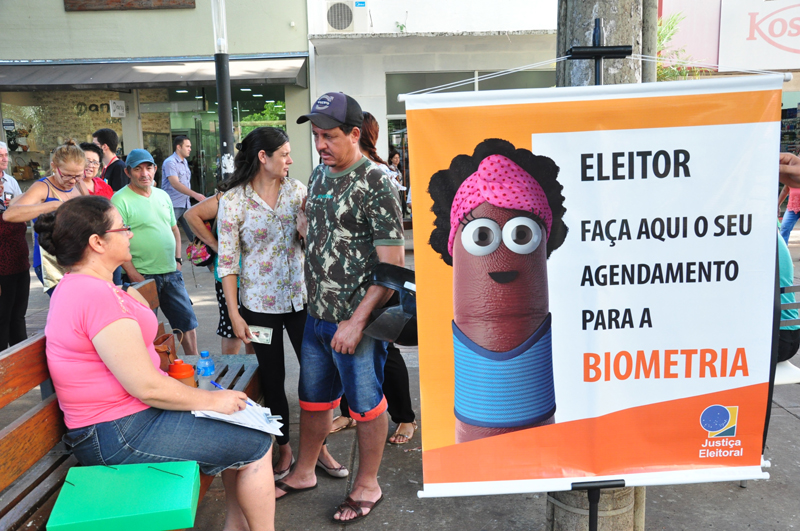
218 386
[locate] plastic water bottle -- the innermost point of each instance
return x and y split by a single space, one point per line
205 371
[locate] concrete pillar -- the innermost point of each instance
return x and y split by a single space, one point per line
649 39
623 25
569 510
132 123
303 154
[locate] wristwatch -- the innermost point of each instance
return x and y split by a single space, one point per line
179 259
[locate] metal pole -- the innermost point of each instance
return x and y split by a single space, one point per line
225 114
649 39
598 39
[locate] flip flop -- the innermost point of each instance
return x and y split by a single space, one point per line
397 433
356 506
351 423
283 473
339 472
289 490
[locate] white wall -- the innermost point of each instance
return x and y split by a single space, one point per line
358 67
456 16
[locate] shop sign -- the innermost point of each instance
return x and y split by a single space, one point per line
117 108
758 35
593 301
9 124
125 5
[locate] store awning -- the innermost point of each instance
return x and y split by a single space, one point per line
149 74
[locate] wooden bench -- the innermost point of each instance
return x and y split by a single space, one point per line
33 460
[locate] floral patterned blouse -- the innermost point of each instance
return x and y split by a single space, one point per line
271 273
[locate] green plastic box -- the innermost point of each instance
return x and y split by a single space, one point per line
142 497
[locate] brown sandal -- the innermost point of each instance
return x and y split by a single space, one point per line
351 423
356 506
398 434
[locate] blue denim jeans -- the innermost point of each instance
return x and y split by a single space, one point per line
787 224
325 374
174 301
156 435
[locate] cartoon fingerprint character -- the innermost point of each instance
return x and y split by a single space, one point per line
498 217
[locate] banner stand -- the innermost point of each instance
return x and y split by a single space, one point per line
592 489
598 51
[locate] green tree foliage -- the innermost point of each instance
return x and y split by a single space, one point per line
273 115
671 61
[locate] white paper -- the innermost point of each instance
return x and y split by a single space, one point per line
253 416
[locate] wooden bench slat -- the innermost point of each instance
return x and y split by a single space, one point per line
28 439
43 493
31 478
22 367
147 289
226 374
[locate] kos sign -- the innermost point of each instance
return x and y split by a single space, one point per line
758 35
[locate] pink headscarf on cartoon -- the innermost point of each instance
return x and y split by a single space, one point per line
503 184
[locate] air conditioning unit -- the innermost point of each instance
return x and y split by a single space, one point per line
347 16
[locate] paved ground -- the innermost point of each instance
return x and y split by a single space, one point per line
762 506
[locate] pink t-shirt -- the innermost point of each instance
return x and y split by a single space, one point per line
80 308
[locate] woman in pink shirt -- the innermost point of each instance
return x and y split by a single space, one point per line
119 407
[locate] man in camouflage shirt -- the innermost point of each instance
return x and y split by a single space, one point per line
353 224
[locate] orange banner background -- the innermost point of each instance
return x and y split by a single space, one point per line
438 135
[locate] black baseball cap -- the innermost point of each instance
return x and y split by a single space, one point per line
332 110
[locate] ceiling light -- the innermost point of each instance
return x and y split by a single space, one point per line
270 101
182 91
258 95
198 97
246 90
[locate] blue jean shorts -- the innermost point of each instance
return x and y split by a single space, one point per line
325 374
157 435
174 301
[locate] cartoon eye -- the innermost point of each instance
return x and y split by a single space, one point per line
522 235
481 236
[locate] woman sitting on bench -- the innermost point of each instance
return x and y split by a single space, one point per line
118 406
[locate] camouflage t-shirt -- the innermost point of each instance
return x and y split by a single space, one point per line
349 213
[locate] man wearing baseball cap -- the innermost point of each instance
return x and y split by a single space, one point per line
156 244
353 224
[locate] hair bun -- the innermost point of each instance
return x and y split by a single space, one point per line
44 226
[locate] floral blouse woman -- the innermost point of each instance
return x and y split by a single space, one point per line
260 221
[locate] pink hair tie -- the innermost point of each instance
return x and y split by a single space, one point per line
503 184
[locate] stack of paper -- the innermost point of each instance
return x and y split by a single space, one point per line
253 416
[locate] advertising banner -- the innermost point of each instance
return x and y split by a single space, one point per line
595 271
759 35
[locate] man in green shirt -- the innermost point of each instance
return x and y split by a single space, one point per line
155 244
353 224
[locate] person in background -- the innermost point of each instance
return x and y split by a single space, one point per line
91 180
395 379
177 181
792 212
203 211
68 162
11 185
113 168
397 167
118 406
258 227
148 211
15 282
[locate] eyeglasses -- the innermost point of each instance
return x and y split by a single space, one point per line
124 228
68 177
93 163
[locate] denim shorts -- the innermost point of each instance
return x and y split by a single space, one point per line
174 301
157 435
325 374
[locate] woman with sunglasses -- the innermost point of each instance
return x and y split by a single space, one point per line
118 406
91 175
67 163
